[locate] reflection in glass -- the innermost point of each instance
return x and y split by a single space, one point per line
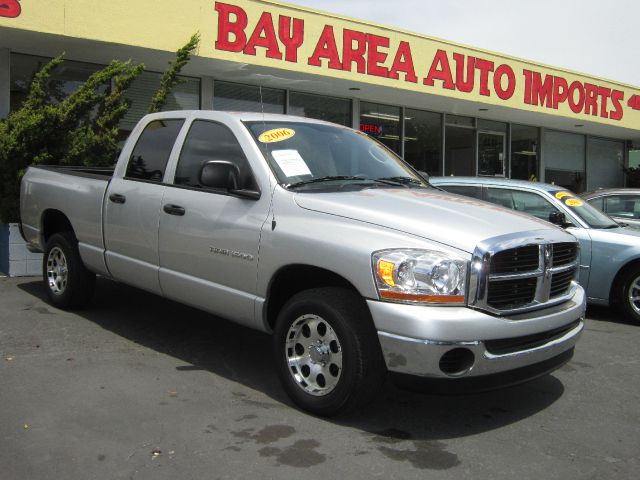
490 153
564 159
459 151
381 122
184 96
235 97
524 152
423 140
64 80
605 162
330 109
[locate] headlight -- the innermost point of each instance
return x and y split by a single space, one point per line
419 276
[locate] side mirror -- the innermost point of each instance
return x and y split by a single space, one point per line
220 174
424 175
558 218
224 175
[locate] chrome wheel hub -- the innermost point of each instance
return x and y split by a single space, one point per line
57 271
634 295
314 355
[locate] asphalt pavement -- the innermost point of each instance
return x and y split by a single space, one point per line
138 387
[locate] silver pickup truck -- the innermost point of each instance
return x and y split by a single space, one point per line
322 237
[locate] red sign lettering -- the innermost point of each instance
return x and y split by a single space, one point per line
376 55
232 36
10 8
370 128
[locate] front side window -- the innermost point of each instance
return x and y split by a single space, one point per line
325 156
149 158
208 141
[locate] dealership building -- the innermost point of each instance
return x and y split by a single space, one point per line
446 108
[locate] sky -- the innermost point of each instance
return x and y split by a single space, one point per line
600 38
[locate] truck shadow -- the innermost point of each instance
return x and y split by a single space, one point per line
203 342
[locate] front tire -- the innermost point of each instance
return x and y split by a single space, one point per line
327 352
67 281
629 297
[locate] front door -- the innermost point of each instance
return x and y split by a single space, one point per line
209 239
491 154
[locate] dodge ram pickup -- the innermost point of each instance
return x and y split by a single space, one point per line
321 237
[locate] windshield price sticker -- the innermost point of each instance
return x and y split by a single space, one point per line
561 195
573 202
291 163
276 135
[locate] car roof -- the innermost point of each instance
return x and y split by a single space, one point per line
611 191
494 181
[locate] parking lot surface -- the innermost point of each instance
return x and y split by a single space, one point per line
138 387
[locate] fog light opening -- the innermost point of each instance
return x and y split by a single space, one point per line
457 362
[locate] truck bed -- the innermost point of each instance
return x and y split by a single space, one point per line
76 191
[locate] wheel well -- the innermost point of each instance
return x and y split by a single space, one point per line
54 221
294 279
616 284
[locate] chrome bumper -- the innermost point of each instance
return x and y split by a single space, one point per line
415 338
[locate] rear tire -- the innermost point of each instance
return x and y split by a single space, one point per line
327 351
67 281
629 295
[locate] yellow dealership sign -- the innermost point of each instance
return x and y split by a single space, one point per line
292 38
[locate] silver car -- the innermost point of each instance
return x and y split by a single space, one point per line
610 252
621 204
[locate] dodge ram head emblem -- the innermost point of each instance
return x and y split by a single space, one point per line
10 8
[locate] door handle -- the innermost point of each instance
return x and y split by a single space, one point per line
117 198
174 210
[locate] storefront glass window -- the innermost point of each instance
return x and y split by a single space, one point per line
564 155
605 162
330 109
235 97
524 152
64 80
381 122
184 96
459 151
423 140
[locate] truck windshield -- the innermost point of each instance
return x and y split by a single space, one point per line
592 216
319 156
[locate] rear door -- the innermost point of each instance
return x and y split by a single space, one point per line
208 239
132 207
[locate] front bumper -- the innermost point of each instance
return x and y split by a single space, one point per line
456 342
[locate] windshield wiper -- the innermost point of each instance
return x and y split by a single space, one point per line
327 178
403 181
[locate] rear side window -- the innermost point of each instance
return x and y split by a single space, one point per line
149 158
466 190
520 201
207 141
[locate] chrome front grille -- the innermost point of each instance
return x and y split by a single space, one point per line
512 275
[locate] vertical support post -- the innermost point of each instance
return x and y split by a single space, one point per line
355 114
5 82
206 93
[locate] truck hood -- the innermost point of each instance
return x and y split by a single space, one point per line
453 220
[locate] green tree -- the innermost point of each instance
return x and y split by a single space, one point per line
72 131
170 78
81 129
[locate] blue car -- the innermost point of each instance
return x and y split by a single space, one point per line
610 252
